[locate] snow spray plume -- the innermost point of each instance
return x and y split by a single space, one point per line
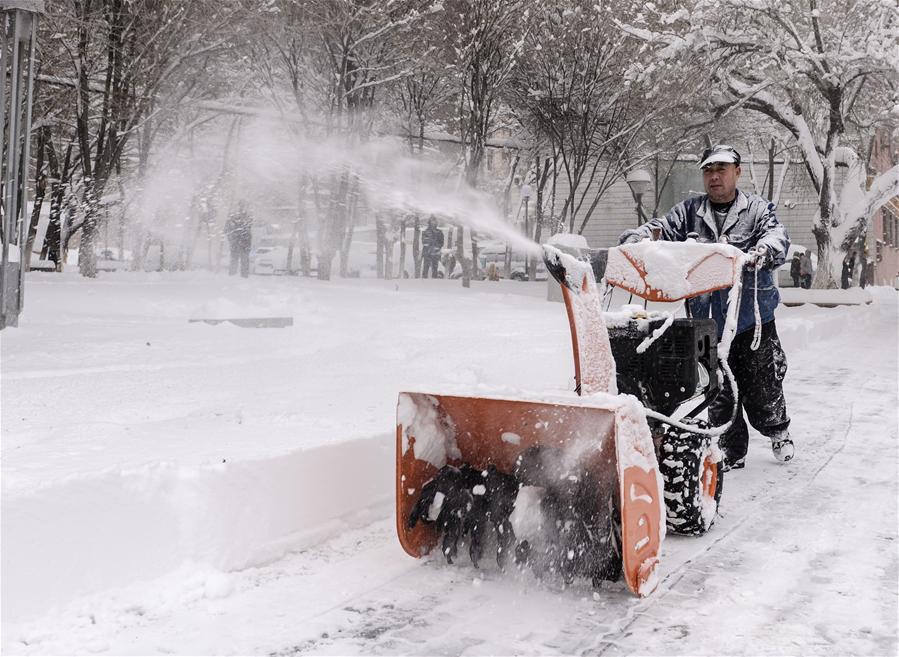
392 179
266 164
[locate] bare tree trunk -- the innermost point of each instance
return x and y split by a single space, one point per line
388 259
349 225
40 189
449 264
53 237
507 209
334 229
303 230
402 271
416 247
771 170
87 257
542 178
460 256
379 245
823 278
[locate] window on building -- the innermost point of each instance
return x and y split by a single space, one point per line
890 227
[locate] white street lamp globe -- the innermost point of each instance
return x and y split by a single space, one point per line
640 181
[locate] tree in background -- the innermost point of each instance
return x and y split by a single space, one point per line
120 55
823 70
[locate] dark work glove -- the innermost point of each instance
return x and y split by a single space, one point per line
761 256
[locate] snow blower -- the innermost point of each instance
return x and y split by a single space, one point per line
582 485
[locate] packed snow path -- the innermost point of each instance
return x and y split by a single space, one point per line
802 560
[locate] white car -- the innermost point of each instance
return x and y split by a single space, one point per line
783 278
270 257
495 252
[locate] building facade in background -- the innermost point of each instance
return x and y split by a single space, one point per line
617 210
883 235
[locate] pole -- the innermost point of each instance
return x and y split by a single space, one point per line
527 233
4 235
25 258
10 191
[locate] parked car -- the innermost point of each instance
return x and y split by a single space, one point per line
783 277
109 260
495 252
270 257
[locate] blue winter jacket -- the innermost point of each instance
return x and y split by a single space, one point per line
751 221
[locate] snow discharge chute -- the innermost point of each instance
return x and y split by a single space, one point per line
579 485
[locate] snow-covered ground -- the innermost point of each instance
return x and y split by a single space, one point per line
179 488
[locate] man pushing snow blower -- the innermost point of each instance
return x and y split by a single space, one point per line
583 484
748 222
586 485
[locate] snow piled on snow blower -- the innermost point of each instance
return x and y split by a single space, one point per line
679 269
434 435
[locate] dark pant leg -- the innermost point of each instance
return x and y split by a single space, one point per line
759 375
235 257
734 442
245 263
430 265
762 384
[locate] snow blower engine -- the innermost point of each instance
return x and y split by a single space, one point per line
582 484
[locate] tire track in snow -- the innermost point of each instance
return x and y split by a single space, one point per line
606 630
690 574
670 582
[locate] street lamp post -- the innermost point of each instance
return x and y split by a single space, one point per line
640 182
18 29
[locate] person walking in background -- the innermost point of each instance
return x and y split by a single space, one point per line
750 223
794 269
848 267
431 245
806 269
239 229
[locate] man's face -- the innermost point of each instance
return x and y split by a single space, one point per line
720 180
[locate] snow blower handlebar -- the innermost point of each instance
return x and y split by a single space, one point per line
659 271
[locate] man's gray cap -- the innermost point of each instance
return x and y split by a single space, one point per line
719 153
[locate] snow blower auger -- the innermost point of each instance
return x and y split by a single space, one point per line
571 485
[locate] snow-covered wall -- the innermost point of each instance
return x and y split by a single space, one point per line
97 532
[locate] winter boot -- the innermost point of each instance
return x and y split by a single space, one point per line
735 464
782 447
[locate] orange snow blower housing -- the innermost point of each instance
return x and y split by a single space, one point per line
601 441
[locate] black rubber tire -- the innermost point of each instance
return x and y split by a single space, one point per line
682 463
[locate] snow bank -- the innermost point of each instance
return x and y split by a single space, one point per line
854 296
93 533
